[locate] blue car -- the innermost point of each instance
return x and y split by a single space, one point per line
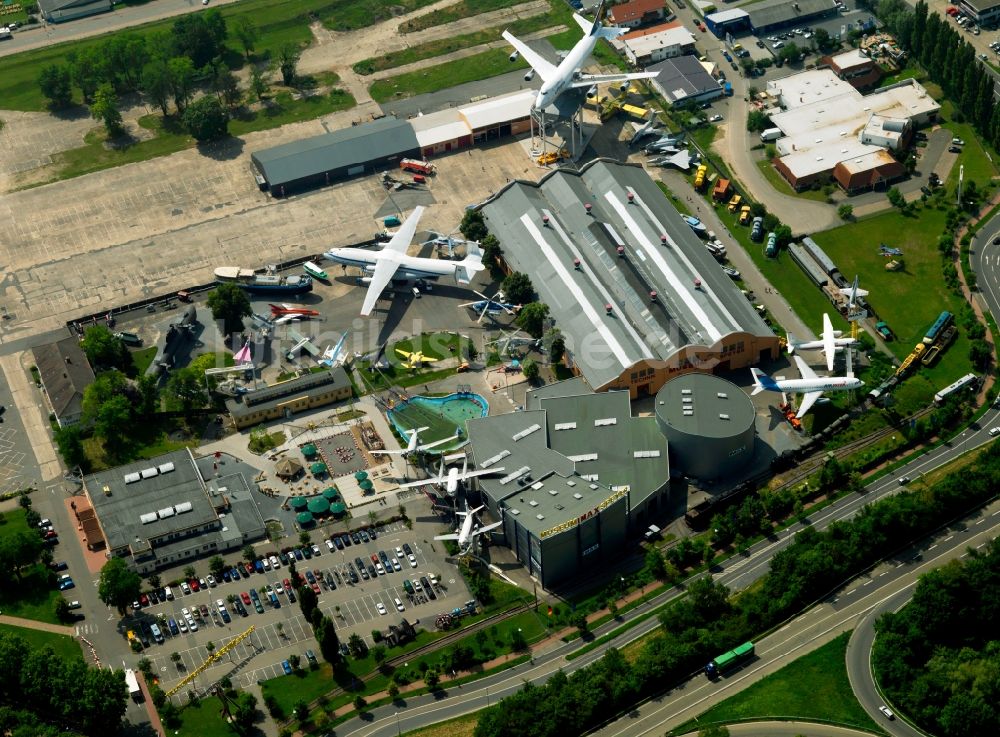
287 667
227 576
66 583
235 573
258 566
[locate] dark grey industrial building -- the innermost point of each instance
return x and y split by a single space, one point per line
349 152
684 79
580 475
64 372
173 509
773 15
58 11
637 296
708 423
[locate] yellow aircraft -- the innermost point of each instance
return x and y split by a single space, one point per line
416 359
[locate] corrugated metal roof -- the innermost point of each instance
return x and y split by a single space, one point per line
727 16
440 127
577 296
769 12
346 147
498 109
682 77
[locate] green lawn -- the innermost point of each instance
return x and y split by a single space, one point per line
813 687
171 137
433 345
781 184
36 595
440 76
459 727
462 9
66 647
280 22
432 49
142 358
203 719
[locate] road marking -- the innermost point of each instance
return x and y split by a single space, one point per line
932 547
979 522
899 565
883 573
948 538
869 582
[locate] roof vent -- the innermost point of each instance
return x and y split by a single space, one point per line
148 473
539 516
514 512
577 495
533 503
576 264
621 251
545 219
631 197
652 296
607 308
663 239
722 395
131 478
723 416
166 467
588 207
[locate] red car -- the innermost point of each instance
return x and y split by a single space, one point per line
302 578
246 598
144 600
287 583
315 587
248 568
193 583
50 534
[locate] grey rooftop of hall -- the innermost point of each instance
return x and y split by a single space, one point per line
696 302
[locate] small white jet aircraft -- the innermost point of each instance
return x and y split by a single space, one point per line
569 74
829 342
852 292
810 386
392 262
451 479
413 445
466 534
334 355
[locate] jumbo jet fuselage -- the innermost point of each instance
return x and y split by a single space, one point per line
566 71
410 267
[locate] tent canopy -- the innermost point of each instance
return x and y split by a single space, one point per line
297 502
338 508
330 493
309 450
318 467
361 475
304 518
288 468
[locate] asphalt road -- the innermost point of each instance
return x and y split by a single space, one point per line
736 573
859 670
985 261
46 34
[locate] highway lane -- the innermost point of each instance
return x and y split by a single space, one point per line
886 587
735 573
859 670
985 261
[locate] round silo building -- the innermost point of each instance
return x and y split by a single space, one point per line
709 425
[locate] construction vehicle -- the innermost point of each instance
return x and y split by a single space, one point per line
734 203
883 330
894 265
744 214
699 177
721 189
552 157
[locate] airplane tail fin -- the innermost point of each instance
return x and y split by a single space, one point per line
762 382
471 265
595 30
791 342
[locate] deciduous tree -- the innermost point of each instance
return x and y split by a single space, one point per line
206 119
118 585
56 84
105 108
230 304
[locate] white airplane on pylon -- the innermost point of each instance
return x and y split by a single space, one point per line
413 446
466 533
451 479
830 342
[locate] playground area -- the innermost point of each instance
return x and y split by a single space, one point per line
443 416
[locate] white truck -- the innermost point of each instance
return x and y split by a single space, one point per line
770 134
5 33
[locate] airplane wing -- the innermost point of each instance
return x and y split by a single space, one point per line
589 80
303 342
449 536
829 347
283 319
482 472
403 237
804 369
545 69
808 400
391 453
380 278
436 443
403 353
481 530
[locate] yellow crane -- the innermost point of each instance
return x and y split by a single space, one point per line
210 660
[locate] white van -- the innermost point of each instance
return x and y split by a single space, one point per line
169 593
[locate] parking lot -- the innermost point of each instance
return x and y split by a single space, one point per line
354 608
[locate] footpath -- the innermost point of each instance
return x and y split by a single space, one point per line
31 624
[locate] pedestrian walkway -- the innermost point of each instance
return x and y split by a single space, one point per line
32 624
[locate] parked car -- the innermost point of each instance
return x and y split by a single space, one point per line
66 583
381 608
287 667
